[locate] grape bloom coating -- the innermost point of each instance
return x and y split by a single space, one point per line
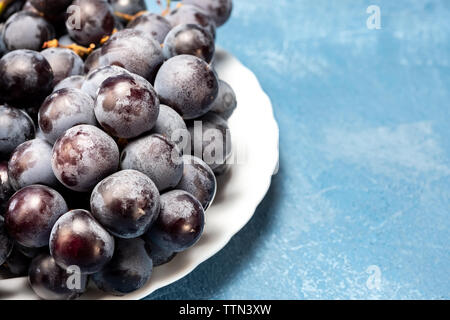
83 156
16 127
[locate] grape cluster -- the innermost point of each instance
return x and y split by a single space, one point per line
100 175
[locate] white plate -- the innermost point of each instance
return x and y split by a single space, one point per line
255 137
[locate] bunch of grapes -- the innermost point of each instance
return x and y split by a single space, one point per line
100 103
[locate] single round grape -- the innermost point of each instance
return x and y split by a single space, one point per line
31 164
73 82
91 62
126 106
25 77
17 263
31 214
126 203
158 255
199 180
6 189
17 35
6 244
96 77
157 157
180 222
64 63
188 85
189 14
135 51
130 7
129 269
83 156
51 282
88 21
214 139
77 239
16 127
50 7
171 125
151 24
189 39
63 110
226 102
219 10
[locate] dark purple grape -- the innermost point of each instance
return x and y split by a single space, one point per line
180 223
51 282
73 82
64 63
83 156
88 21
158 255
171 125
189 39
219 10
17 263
29 252
16 127
96 77
31 214
129 269
63 110
31 164
50 7
157 157
130 7
188 85
126 203
25 77
151 24
189 14
78 240
211 141
226 102
126 106
17 35
6 189
91 62
135 51
6 244
199 180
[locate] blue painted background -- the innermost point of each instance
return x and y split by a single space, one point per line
365 154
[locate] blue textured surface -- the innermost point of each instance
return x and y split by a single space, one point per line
365 154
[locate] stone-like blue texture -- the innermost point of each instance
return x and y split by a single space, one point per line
365 155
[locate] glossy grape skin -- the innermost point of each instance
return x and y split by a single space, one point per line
188 85
6 189
135 51
215 140
64 109
171 125
6 244
17 35
189 14
158 255
49 281
64 63
96 77
157 157
189 39
78 239
25 77
84 156
129 269
17 263
73 82
151 24
91 62
126 106
126 203
226 102
50 7
96 21
31 214
16 127
130 7
180 223
199 180
219 10
31 164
